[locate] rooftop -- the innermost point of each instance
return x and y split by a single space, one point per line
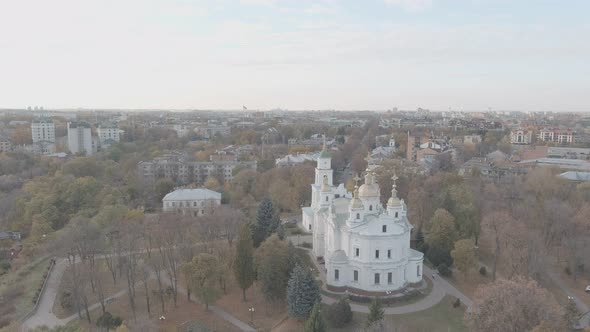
191 195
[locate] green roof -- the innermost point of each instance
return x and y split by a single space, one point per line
325 154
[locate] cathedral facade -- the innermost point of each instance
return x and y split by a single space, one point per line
365 246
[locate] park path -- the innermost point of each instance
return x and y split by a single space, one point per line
44 315
582 307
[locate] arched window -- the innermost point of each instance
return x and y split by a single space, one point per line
370 207
326 198
396 214
358 216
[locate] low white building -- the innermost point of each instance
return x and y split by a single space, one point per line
193 202
521 136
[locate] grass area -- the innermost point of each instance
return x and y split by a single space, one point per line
18 287
440 318
184 313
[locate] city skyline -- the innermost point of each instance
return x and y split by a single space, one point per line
304 55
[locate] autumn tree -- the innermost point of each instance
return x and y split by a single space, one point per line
497 223
442 233
201 275
464 255
513 306
272 262
244 260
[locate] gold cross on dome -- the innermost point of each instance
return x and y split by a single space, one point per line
394 178
356 179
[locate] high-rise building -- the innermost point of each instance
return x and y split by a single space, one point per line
80 138
108 134
43 134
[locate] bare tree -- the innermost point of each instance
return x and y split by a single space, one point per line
497 223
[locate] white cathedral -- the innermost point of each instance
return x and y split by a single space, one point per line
366 247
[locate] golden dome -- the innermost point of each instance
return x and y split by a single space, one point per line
370 188
355 202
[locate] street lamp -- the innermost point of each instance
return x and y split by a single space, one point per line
251 314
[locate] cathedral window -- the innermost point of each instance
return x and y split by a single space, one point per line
418 270
377 277
336 274
327 198
356 275
370 207
389 253
357 252
396 214
384 228
358 216
310 227
390 278
376 253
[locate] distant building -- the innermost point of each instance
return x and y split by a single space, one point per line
80 138
296 159
568 153
575 176
177 168
43 135
556 135
521 136
471 139
108 134
182 130
212 130
5 144
193 202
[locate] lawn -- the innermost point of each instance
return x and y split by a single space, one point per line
186 313
440 318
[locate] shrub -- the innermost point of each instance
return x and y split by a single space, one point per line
457 303
567 271
339 314
108 321
306 245
444 270
483 271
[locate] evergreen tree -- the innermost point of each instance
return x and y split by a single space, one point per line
339 313
267 222
316 322
375 312
303 293
244 260
571 313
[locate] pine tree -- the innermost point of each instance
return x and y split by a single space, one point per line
302 293
375 312
267 222
244 260
316 322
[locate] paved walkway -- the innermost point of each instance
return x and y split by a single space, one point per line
44 314
582 307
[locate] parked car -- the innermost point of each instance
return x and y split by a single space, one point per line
588 289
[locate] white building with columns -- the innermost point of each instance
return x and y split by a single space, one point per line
366 247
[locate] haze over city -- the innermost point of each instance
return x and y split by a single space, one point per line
349 55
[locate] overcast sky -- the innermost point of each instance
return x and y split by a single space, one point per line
296 54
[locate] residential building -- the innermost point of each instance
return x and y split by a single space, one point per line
211 130
43 135
108 133
193 202
177 168
5 144
521 136
80 138
295 159
556 135
366 247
